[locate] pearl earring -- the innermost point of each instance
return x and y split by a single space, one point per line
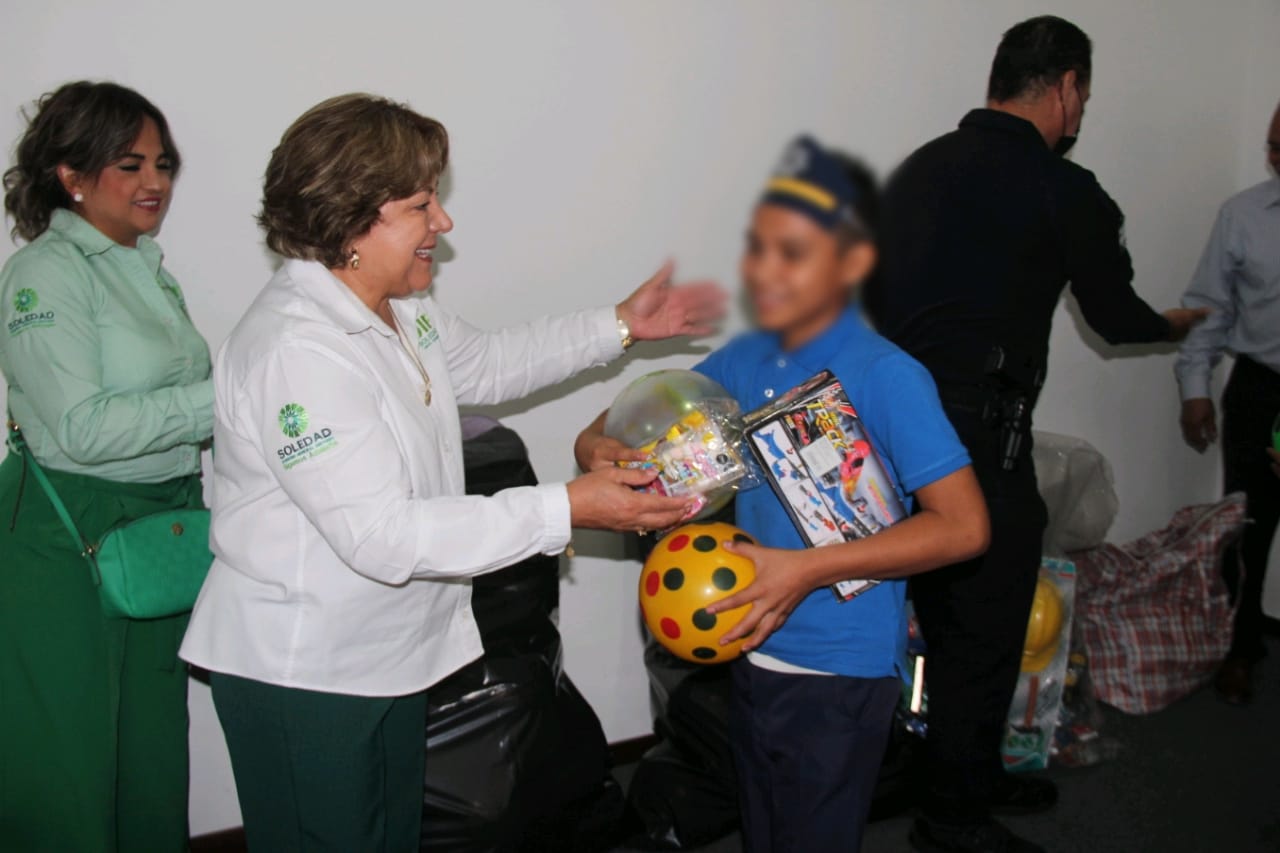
78 197
355 259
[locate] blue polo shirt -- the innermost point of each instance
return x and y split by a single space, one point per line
898 403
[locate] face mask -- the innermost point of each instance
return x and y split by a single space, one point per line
1068 140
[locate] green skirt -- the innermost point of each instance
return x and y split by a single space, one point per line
93 747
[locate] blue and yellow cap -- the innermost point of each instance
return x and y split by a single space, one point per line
810 181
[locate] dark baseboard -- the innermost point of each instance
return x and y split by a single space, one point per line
223 841
630 750
232 840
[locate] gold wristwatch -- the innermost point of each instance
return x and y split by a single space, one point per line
624 333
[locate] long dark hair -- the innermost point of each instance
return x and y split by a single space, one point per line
86 126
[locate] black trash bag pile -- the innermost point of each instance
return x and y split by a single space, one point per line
516 758
684 791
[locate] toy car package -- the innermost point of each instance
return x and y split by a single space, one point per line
816 454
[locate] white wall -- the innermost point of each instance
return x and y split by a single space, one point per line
592 140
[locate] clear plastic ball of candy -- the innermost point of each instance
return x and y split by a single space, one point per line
690 429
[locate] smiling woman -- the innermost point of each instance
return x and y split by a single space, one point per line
396 159
101 150
323 178
337 426
109 381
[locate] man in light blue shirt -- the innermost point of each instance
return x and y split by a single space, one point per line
1238 279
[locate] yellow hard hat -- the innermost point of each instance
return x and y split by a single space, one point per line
1044 628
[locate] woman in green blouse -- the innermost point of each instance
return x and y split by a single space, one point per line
109 382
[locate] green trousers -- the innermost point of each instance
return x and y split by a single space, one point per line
93 711
324 771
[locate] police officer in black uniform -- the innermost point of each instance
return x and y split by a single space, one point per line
981 230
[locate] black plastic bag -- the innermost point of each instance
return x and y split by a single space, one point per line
684 791
516 758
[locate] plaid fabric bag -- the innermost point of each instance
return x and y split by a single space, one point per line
1155 615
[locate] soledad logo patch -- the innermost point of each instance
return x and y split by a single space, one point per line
26 305
308 443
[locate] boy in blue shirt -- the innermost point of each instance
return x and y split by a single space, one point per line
813 699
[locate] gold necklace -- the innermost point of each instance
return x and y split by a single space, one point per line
413 357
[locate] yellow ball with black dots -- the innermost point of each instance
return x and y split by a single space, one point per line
688 570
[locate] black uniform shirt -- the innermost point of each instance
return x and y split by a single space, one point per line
980 231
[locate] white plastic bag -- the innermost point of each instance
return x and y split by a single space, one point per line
1078 488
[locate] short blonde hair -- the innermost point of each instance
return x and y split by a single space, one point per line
337 165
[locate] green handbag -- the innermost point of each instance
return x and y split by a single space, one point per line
147 568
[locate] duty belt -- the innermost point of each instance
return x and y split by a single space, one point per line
1007 410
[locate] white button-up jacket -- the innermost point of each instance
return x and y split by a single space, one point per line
343 538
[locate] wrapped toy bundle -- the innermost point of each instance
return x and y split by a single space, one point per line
688 426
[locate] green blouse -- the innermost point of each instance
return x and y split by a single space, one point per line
107 375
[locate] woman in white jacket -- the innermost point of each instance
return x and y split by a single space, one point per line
343 538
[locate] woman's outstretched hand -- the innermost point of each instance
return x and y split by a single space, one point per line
659 309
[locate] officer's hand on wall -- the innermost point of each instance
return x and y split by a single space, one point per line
1183 320
1199 423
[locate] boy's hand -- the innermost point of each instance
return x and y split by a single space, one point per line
658 309
595 451
781 584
